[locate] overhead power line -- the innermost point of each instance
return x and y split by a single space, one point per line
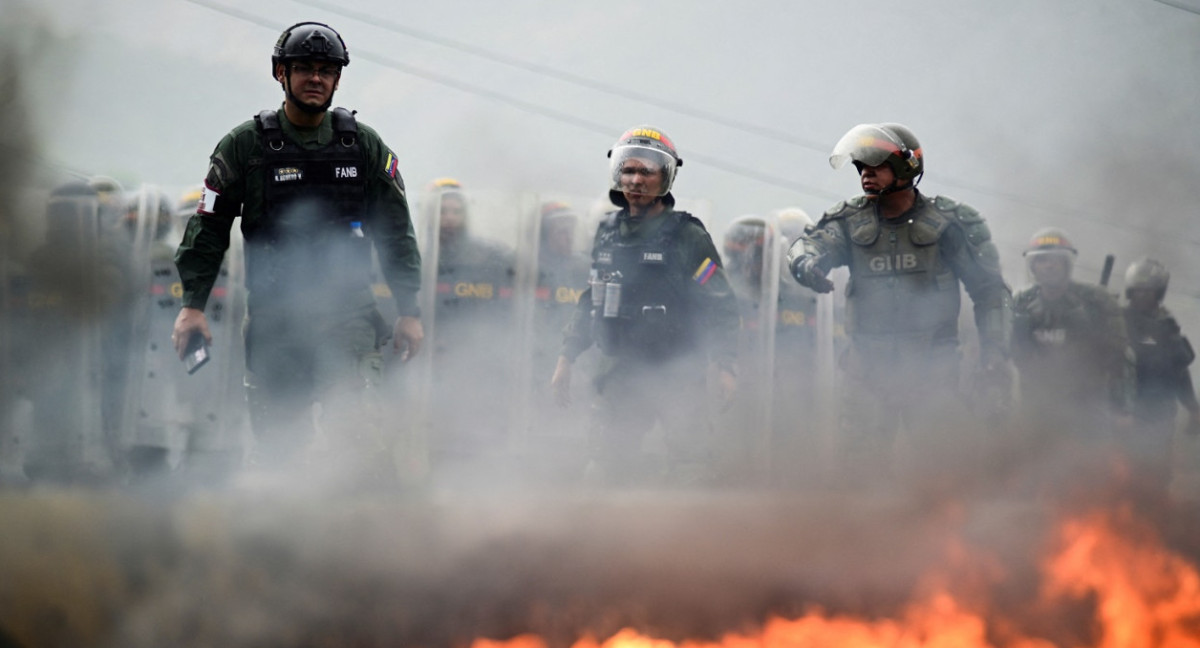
1180 5
1059 211
1061 214
622 92
531 107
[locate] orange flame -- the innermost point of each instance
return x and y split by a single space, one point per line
1146 597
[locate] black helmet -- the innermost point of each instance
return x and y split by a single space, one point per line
312 41
1147 274
875 144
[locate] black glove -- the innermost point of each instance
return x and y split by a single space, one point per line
808 273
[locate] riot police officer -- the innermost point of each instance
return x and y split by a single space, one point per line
660 309
908 254
1070 349
314 188
1163 355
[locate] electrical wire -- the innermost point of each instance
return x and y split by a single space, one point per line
531 107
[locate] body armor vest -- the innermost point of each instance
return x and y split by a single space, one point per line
1162 354
639 299
311 230
898 281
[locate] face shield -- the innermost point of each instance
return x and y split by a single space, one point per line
866 144
641 170
1050 267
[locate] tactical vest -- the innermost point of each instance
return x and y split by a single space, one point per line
1162 354
898 281
311 231
639 297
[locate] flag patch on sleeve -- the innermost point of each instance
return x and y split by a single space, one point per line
390 166
705 272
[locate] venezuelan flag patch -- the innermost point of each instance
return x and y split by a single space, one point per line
390 166
705 272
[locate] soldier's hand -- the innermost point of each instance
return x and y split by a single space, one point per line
407 334
809 274
560 383
189 321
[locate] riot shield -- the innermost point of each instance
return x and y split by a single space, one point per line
469 272
151 429
552 274
65 307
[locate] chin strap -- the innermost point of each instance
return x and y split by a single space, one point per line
301 106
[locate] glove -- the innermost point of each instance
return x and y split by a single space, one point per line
808 273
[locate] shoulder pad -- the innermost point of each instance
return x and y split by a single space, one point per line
267 123
1095 295
962 212
928 226
1025 295
844 208
344 122
267 120
685 217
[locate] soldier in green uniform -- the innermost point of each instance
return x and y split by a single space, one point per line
1071 352
314 189
908 254
1163 355
661 310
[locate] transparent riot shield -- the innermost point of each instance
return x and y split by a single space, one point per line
553 265
826 386
151 421
768 299
469 273
213 413
66 304
525 292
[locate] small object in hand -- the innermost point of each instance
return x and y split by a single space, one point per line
196 354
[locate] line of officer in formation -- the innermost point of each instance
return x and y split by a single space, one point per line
1087 387
326 229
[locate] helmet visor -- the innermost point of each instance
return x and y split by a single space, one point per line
641 170
866 144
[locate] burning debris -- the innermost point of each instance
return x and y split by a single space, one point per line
637 569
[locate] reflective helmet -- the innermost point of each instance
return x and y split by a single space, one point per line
742 248
1051 240
1147 274
310 40
112 200
652 148
875 144
449 225
792 223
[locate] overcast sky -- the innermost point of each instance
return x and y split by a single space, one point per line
1079 113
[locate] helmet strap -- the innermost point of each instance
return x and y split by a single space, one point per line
301 106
